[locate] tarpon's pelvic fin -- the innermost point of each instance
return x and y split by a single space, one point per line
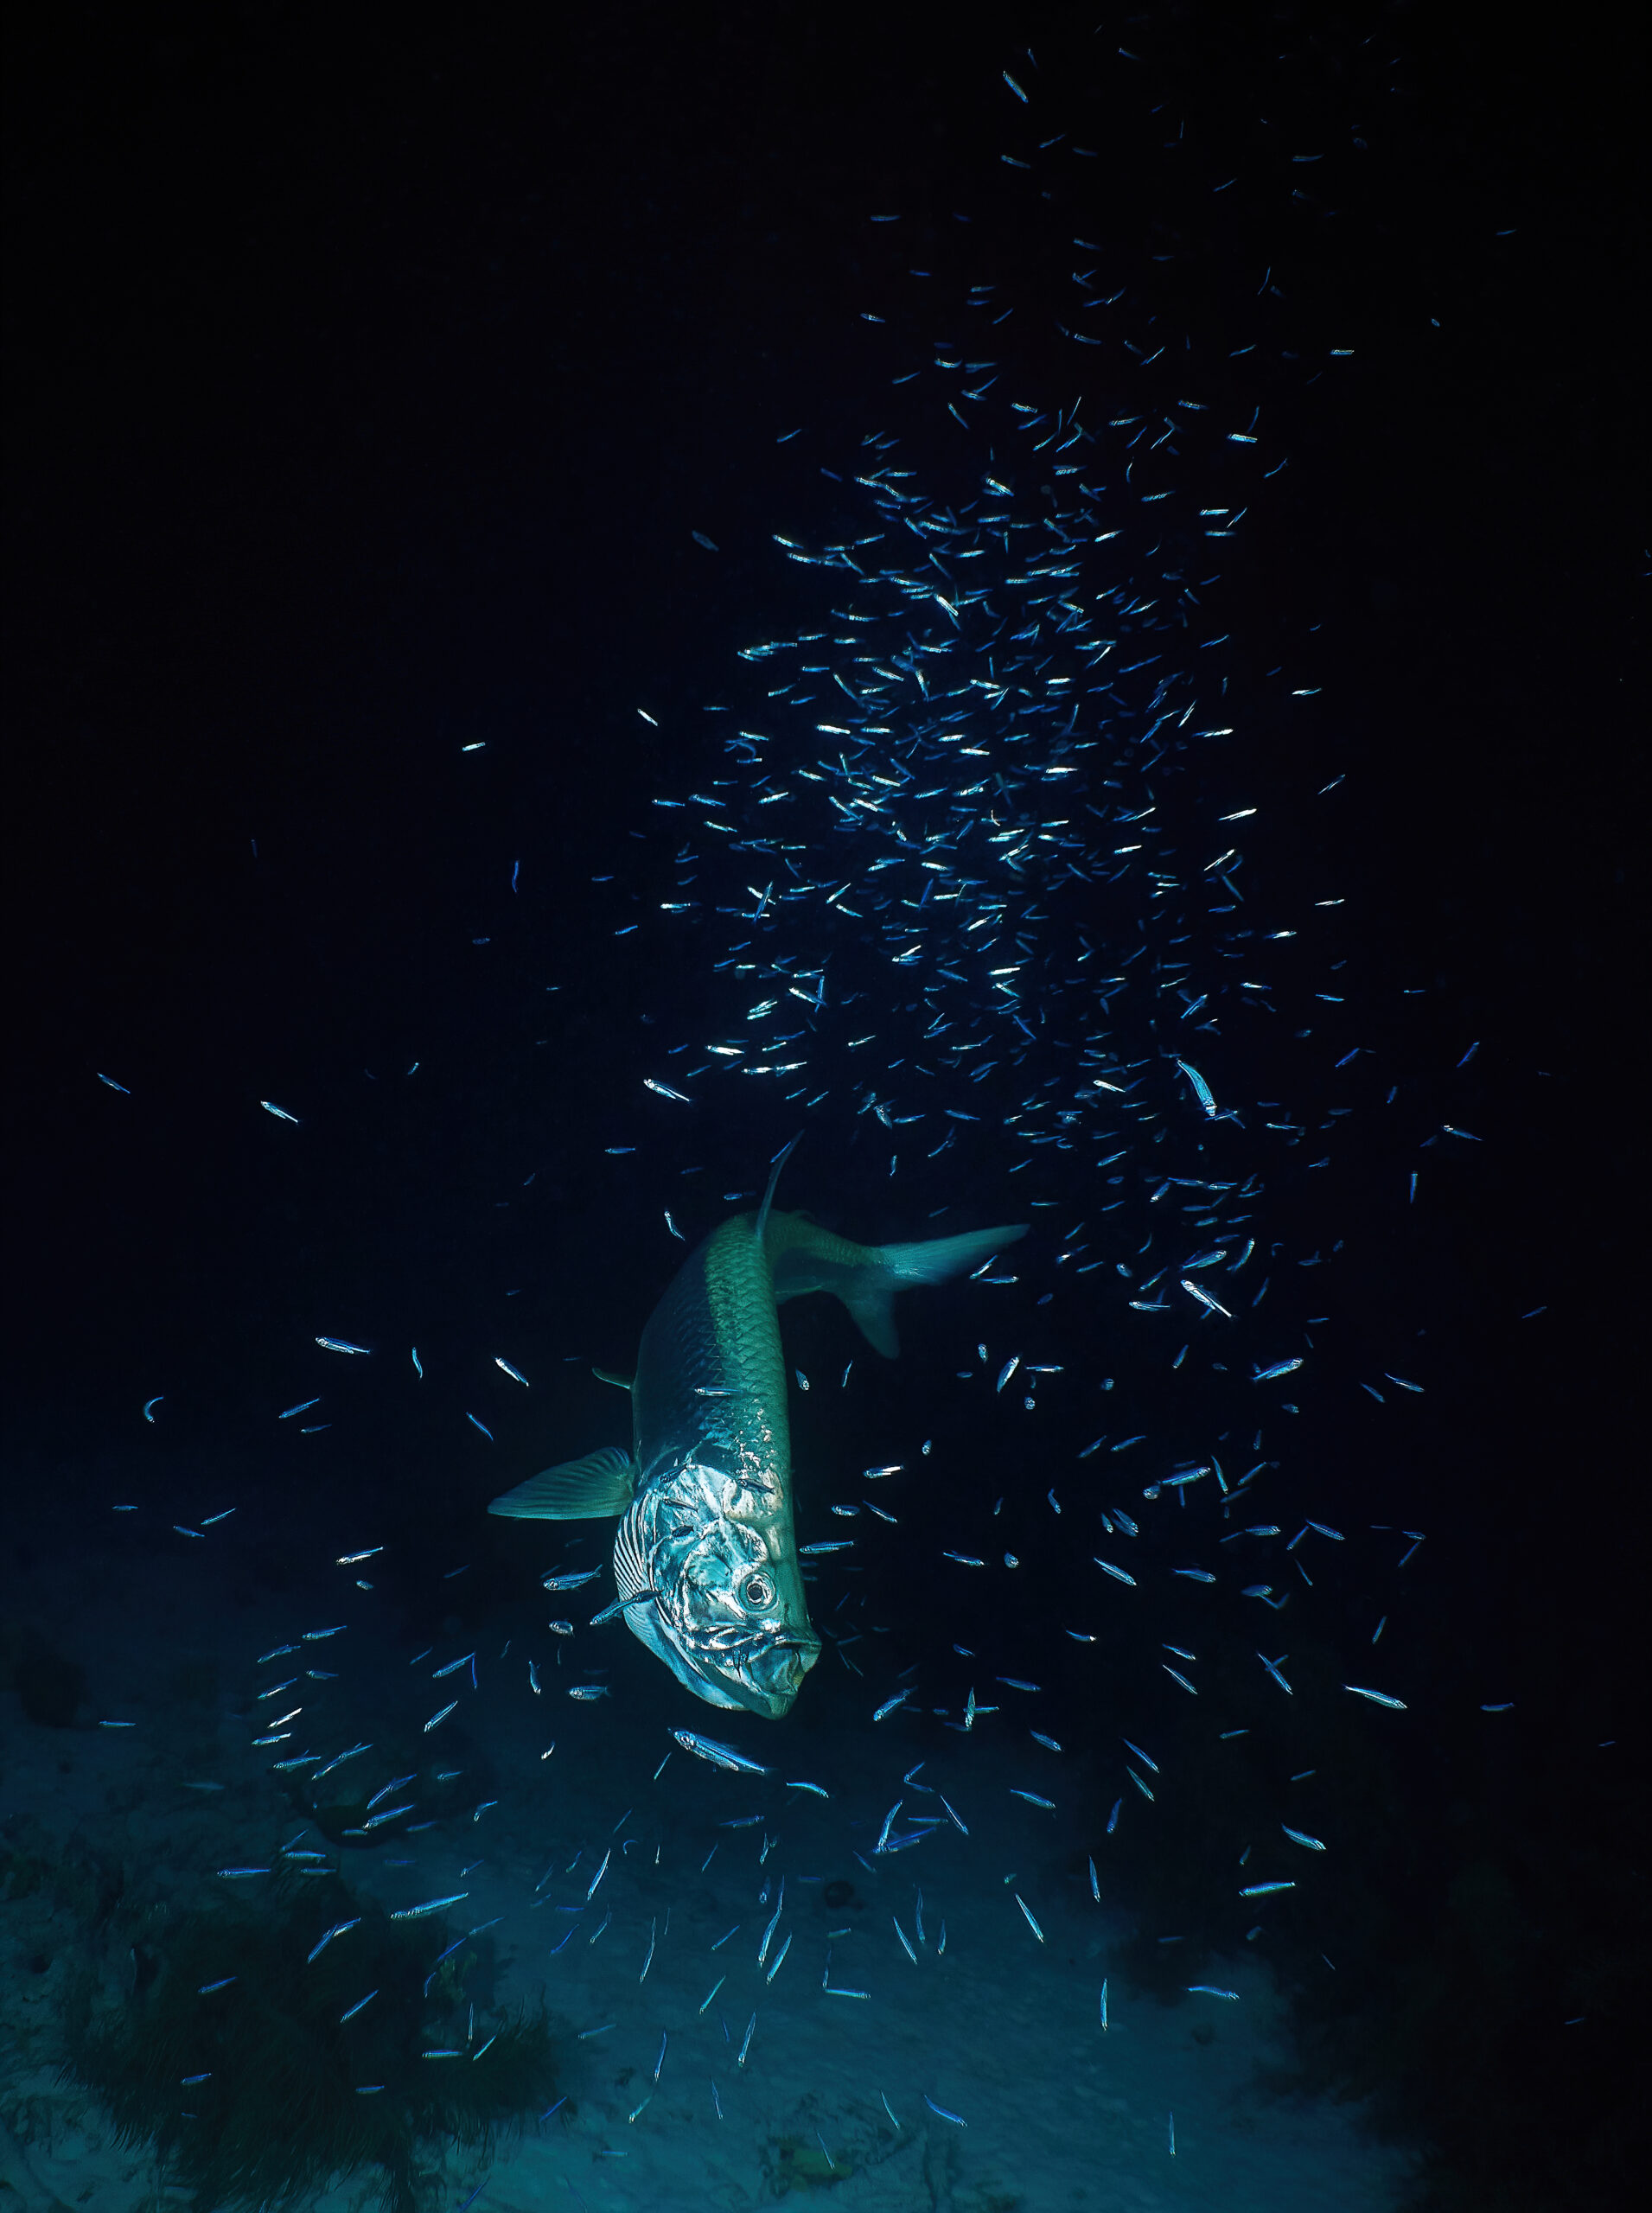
865 1278
607 1376
577 1490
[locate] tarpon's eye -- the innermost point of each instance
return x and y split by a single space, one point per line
757 1591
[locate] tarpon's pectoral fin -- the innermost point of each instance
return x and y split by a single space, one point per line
607 1376
577 1490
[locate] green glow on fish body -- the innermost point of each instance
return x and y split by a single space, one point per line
705 1561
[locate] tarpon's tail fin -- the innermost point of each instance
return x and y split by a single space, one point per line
866 1276
937 1259
577 1490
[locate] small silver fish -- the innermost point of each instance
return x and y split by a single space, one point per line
707 1748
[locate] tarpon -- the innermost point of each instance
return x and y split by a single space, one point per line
706 1558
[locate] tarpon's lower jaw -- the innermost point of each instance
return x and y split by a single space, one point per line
789 1663
770 1679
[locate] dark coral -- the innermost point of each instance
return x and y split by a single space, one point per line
231 2053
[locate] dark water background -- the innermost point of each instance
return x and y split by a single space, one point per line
367 384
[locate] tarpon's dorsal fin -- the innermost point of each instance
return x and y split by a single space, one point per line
577 1490
780 1159
607 1376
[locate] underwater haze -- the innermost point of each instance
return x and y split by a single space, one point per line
843 804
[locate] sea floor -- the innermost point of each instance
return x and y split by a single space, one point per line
978 2076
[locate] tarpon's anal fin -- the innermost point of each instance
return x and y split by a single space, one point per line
577 1490
607 1376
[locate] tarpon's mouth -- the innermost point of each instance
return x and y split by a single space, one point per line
792 1660
768 1679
